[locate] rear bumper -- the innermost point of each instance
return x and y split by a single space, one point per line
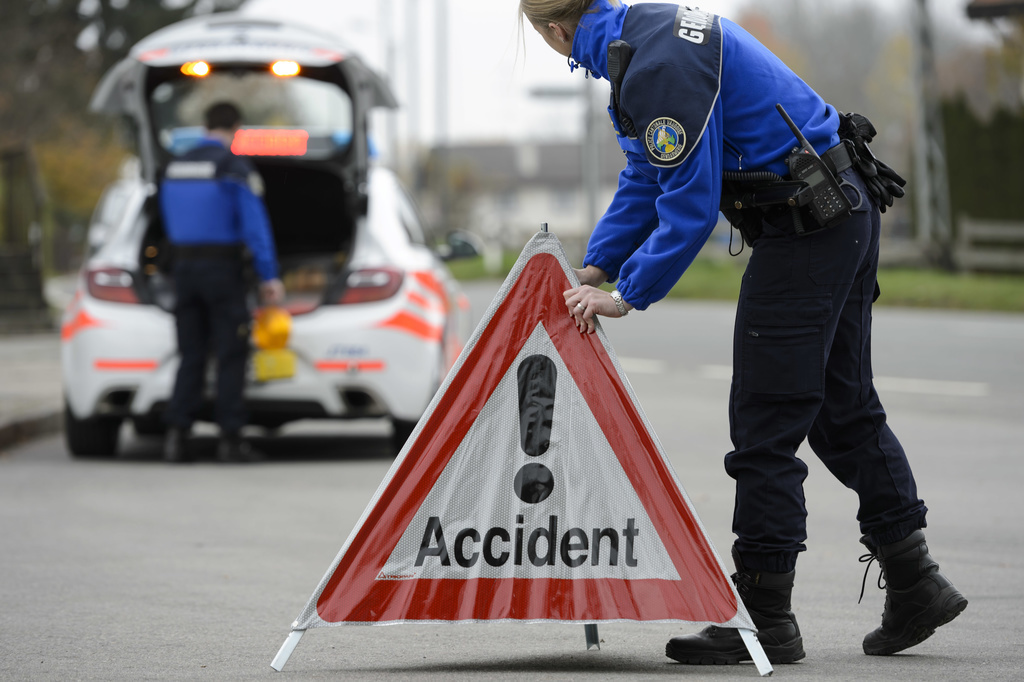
348 366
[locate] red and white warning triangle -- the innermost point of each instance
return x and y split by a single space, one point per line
532 489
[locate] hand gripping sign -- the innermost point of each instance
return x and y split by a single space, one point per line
533 489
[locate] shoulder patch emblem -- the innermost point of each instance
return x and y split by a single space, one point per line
666 139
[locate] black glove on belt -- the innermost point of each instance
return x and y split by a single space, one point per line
884 184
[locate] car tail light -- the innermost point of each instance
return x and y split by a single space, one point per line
371 284
111 284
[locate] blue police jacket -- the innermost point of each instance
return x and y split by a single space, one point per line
701 94
211 196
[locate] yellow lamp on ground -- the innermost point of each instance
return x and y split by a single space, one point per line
273 360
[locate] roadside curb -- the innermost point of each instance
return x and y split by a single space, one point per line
23 429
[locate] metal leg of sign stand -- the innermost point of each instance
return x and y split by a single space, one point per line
593 641
286 649
764 666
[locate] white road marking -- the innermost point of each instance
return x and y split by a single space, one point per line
643 366
956 389
723 372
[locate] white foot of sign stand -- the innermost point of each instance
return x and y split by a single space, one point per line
764 667
286 649
756 652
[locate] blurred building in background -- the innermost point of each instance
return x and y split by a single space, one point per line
503 192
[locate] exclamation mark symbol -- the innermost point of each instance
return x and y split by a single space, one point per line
537 373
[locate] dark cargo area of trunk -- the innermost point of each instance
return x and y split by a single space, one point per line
313 221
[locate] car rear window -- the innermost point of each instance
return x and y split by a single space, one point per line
295 116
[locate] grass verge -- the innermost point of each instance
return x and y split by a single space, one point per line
709 279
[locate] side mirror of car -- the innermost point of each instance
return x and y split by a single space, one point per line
460 245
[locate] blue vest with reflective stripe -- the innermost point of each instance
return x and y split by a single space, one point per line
207 197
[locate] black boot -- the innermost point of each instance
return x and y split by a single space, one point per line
918 598
176 445
767 598
232 448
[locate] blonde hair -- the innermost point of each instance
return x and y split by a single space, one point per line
544 12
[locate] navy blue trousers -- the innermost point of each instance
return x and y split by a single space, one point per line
212 317
802 370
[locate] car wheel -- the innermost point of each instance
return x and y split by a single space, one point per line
401 430
149 425
95 437
270 425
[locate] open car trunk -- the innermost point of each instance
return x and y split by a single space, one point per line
314 224
315 191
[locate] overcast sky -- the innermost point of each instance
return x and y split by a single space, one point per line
490 69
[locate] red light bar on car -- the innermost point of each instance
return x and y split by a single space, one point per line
270 142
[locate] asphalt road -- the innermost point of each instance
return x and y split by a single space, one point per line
130 569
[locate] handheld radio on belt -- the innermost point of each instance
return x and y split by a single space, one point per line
828 202
619 54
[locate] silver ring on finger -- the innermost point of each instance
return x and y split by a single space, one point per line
580 305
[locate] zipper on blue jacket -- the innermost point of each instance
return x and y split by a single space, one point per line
736 152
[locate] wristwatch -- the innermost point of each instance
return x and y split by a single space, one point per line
617 297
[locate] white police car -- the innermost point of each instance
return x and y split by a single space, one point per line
377 319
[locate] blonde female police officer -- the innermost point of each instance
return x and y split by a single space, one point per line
698 99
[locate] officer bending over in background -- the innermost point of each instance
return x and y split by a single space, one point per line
212 209
694 105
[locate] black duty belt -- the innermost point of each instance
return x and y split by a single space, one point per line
750 197
208 251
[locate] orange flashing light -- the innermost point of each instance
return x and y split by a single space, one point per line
285 69
196 69
271 328
270 142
